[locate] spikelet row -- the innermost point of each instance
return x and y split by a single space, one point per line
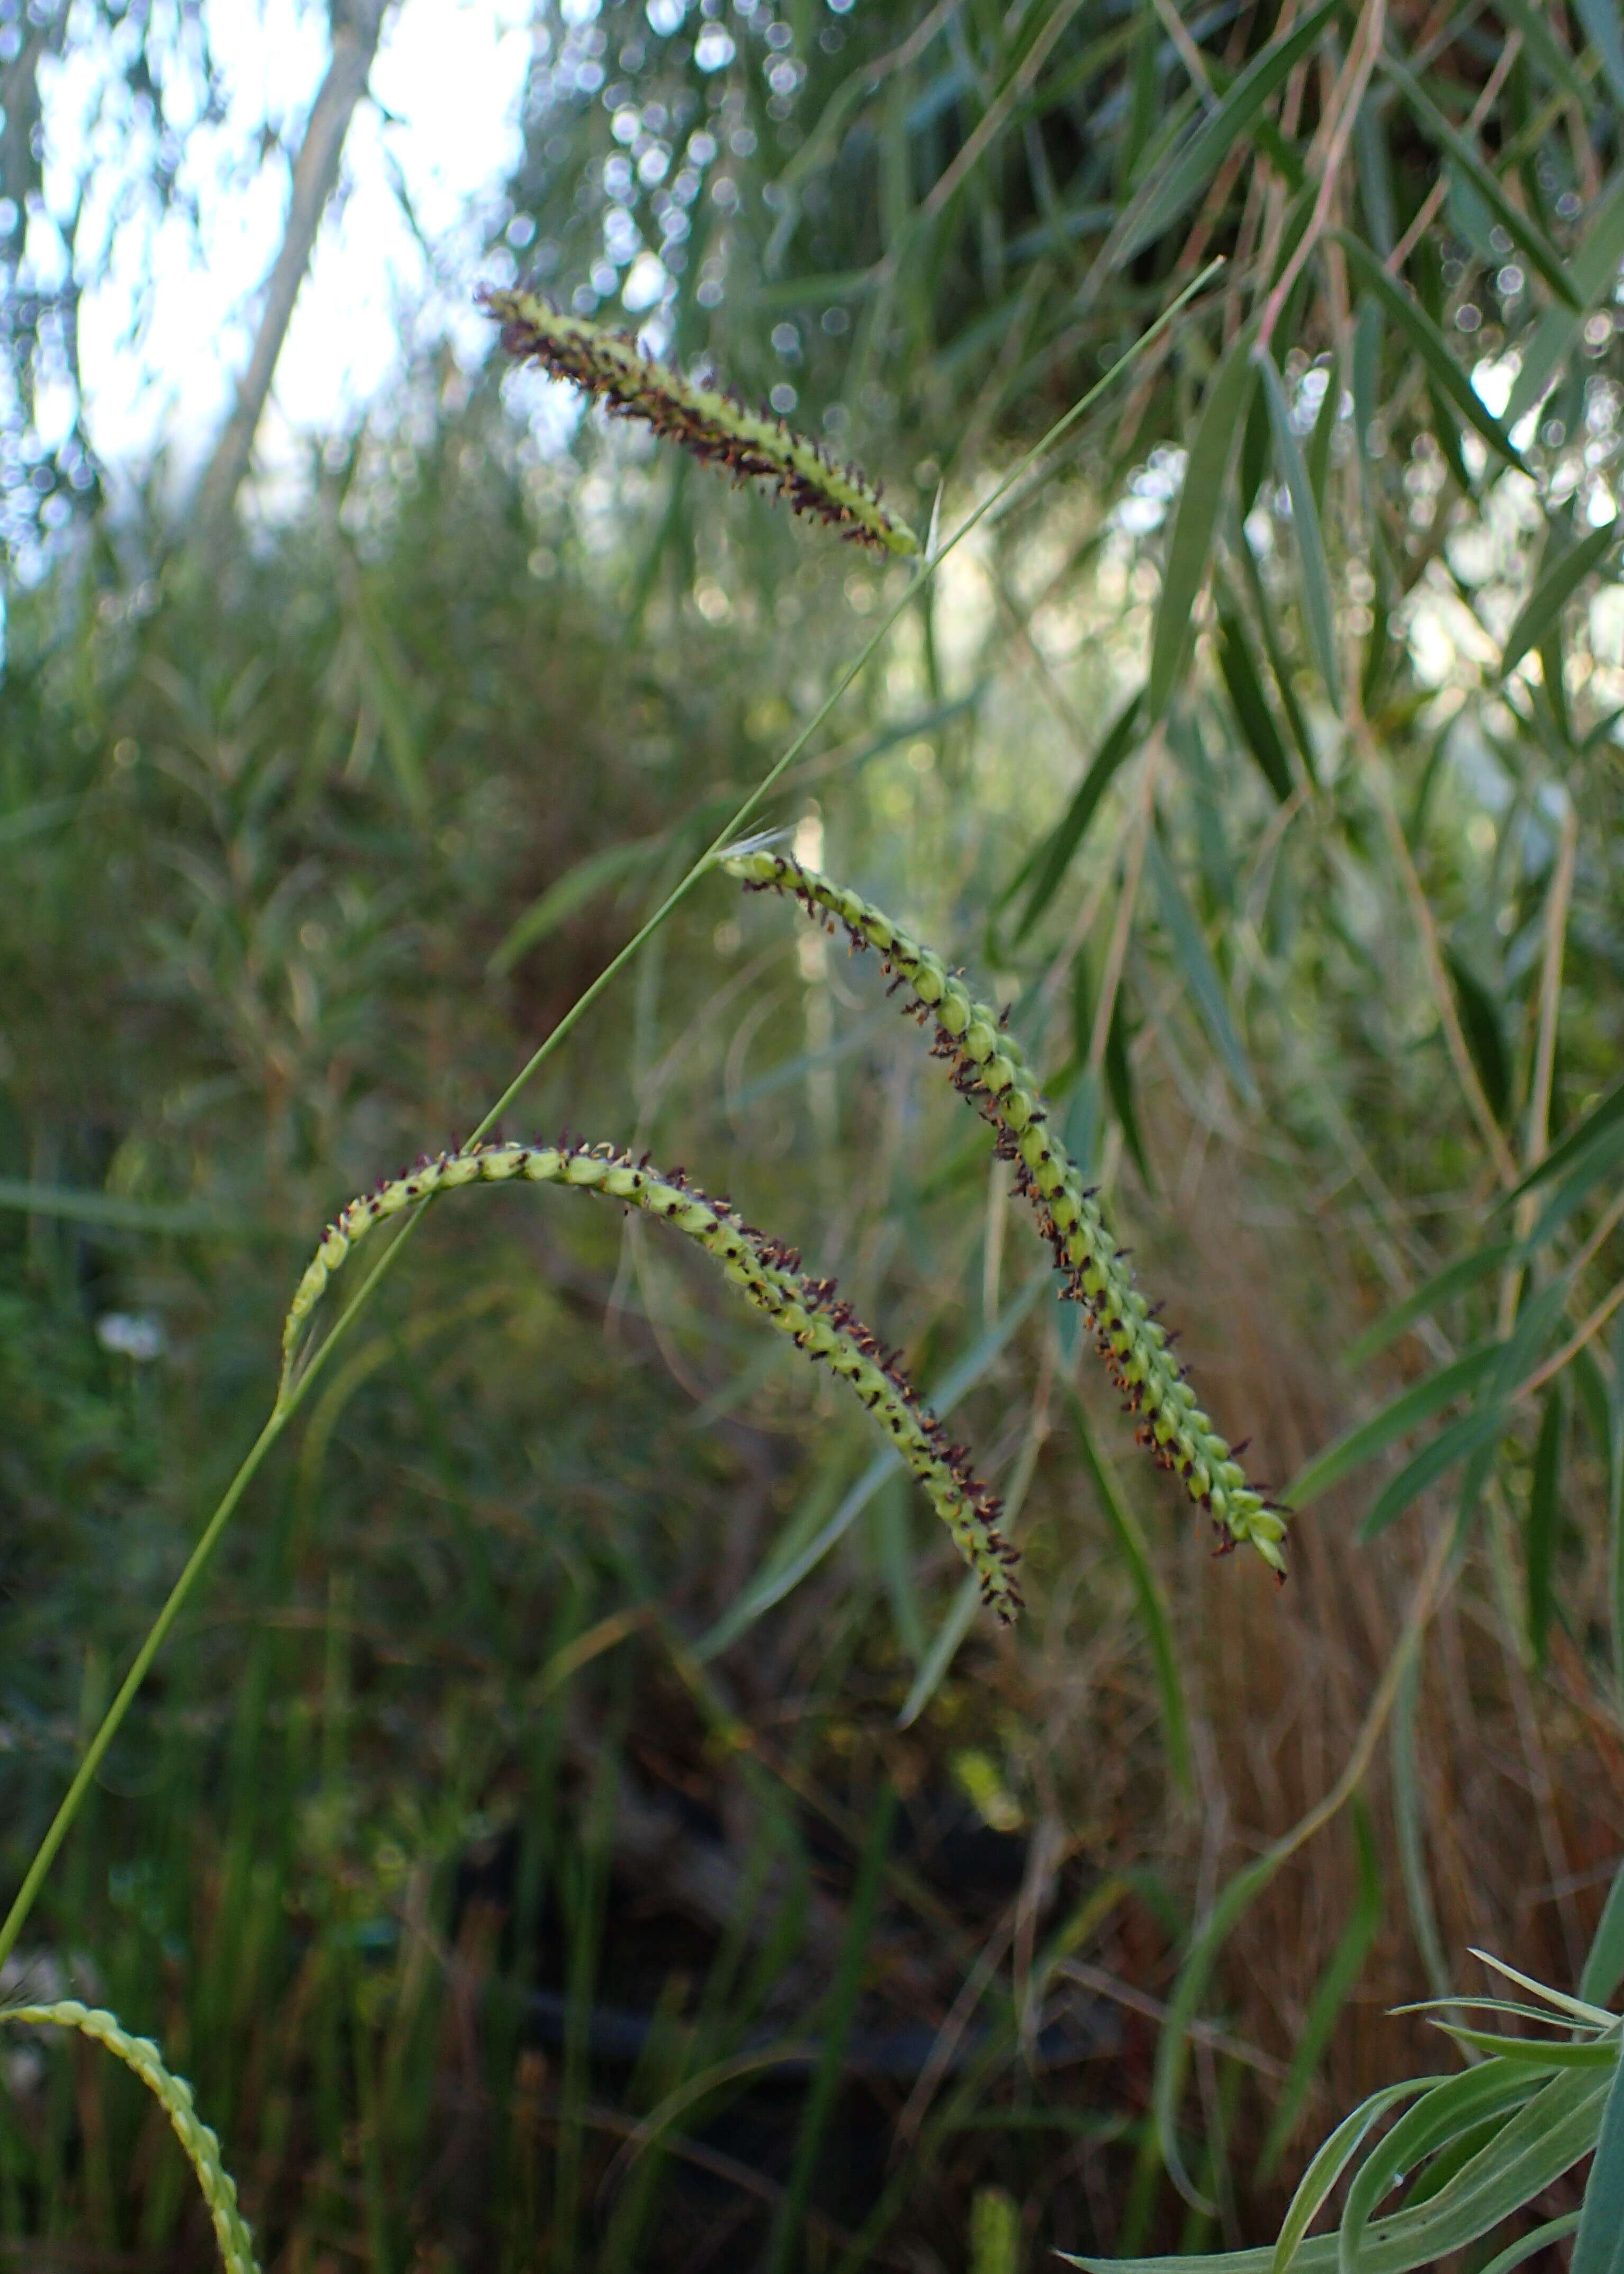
987 1066
712 426
174 2095
767 1272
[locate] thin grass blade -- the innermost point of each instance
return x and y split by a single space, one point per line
1195 525
1428 341
1175 184
1543 609
1317 617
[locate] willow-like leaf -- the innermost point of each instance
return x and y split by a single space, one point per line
1543 609
987 1066
767 1272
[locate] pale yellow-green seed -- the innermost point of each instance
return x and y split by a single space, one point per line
174 2096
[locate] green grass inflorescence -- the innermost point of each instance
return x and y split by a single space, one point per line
987 1066
174 2095
711 426
764 1269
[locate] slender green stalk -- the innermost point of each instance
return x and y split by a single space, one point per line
293 1393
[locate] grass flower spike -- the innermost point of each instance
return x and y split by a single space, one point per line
768 1273
174 2095
711 426
987 1066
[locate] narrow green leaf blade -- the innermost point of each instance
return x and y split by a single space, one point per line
1547 2136
1195 525
1332 1991
1316 595
1331 2160
1442 2115
1412 1406
1594 267
943 1645
1544 1515
1600 20
1536 2052
1243 684
1543 609
1604 1969
1536 247
1518 2253
1120 739
1599 2248
1485 1032
1434 1460
1428 343
1201 973
1593 1165
569 894
1131 1546
778 1575
1453 1280
1607 1109
1188 169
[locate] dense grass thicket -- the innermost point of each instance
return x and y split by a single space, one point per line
580 1819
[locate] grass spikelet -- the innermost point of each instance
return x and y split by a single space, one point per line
988 1067
174 2094
710 425
765 1271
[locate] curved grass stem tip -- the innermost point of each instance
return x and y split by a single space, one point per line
987 1066
768 1273
174 2096
711 426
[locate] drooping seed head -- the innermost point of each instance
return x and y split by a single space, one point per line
767 1273
986 1064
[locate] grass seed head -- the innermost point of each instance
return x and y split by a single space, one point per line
710 425
766 1271
174 2096
987 1066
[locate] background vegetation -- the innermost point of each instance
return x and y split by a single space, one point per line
580 1824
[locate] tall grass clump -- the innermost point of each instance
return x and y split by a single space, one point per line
767 1271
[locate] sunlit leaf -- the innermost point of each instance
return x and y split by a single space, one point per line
1556 587
1428 343
1195 525
1316 579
